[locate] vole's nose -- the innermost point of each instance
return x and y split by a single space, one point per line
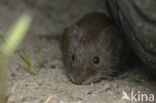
79 79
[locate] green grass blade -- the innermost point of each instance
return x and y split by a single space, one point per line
33 70
26 59
41 52
25 54
17 34
41 49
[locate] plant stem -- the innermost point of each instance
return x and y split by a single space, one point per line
3 78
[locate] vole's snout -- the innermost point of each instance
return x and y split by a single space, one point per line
79 78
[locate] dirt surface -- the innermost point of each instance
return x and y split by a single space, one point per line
51 84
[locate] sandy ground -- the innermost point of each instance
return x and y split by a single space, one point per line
51 84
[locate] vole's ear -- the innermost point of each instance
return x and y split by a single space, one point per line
77 33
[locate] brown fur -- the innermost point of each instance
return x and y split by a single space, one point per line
92 36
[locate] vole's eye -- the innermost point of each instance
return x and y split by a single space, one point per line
96 60
73 57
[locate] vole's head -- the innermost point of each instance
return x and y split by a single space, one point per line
88 55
